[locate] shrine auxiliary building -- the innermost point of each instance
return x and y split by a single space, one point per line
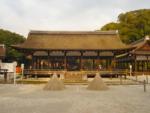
2 52
72 50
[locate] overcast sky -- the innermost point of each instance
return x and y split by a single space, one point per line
21 16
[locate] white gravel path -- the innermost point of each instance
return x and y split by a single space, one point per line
74 99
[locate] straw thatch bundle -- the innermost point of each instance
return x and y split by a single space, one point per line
54 84
97 84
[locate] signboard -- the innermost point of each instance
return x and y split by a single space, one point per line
141 58
8 66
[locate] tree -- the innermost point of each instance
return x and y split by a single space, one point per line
9 38
110 26
131 25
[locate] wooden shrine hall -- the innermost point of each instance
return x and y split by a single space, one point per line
72 50
139 57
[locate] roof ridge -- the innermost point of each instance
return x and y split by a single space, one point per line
138 41
71 32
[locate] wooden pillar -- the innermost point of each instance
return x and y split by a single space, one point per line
93 63
35 62
49 60
142 63
135 64
38 65
32 62
65 60
81 61
98 58
147 64
114 58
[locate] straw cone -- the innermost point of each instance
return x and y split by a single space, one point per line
97 84
54 84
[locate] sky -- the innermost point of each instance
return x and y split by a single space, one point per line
21 16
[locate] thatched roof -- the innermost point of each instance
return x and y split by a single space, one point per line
2 51
72 40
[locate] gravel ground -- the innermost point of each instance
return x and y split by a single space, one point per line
74 99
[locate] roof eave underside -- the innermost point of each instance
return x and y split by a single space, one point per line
60 49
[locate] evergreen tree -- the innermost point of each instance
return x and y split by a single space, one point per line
131 25
9 38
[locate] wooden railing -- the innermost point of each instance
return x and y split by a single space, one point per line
141 73
39 72
45 72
